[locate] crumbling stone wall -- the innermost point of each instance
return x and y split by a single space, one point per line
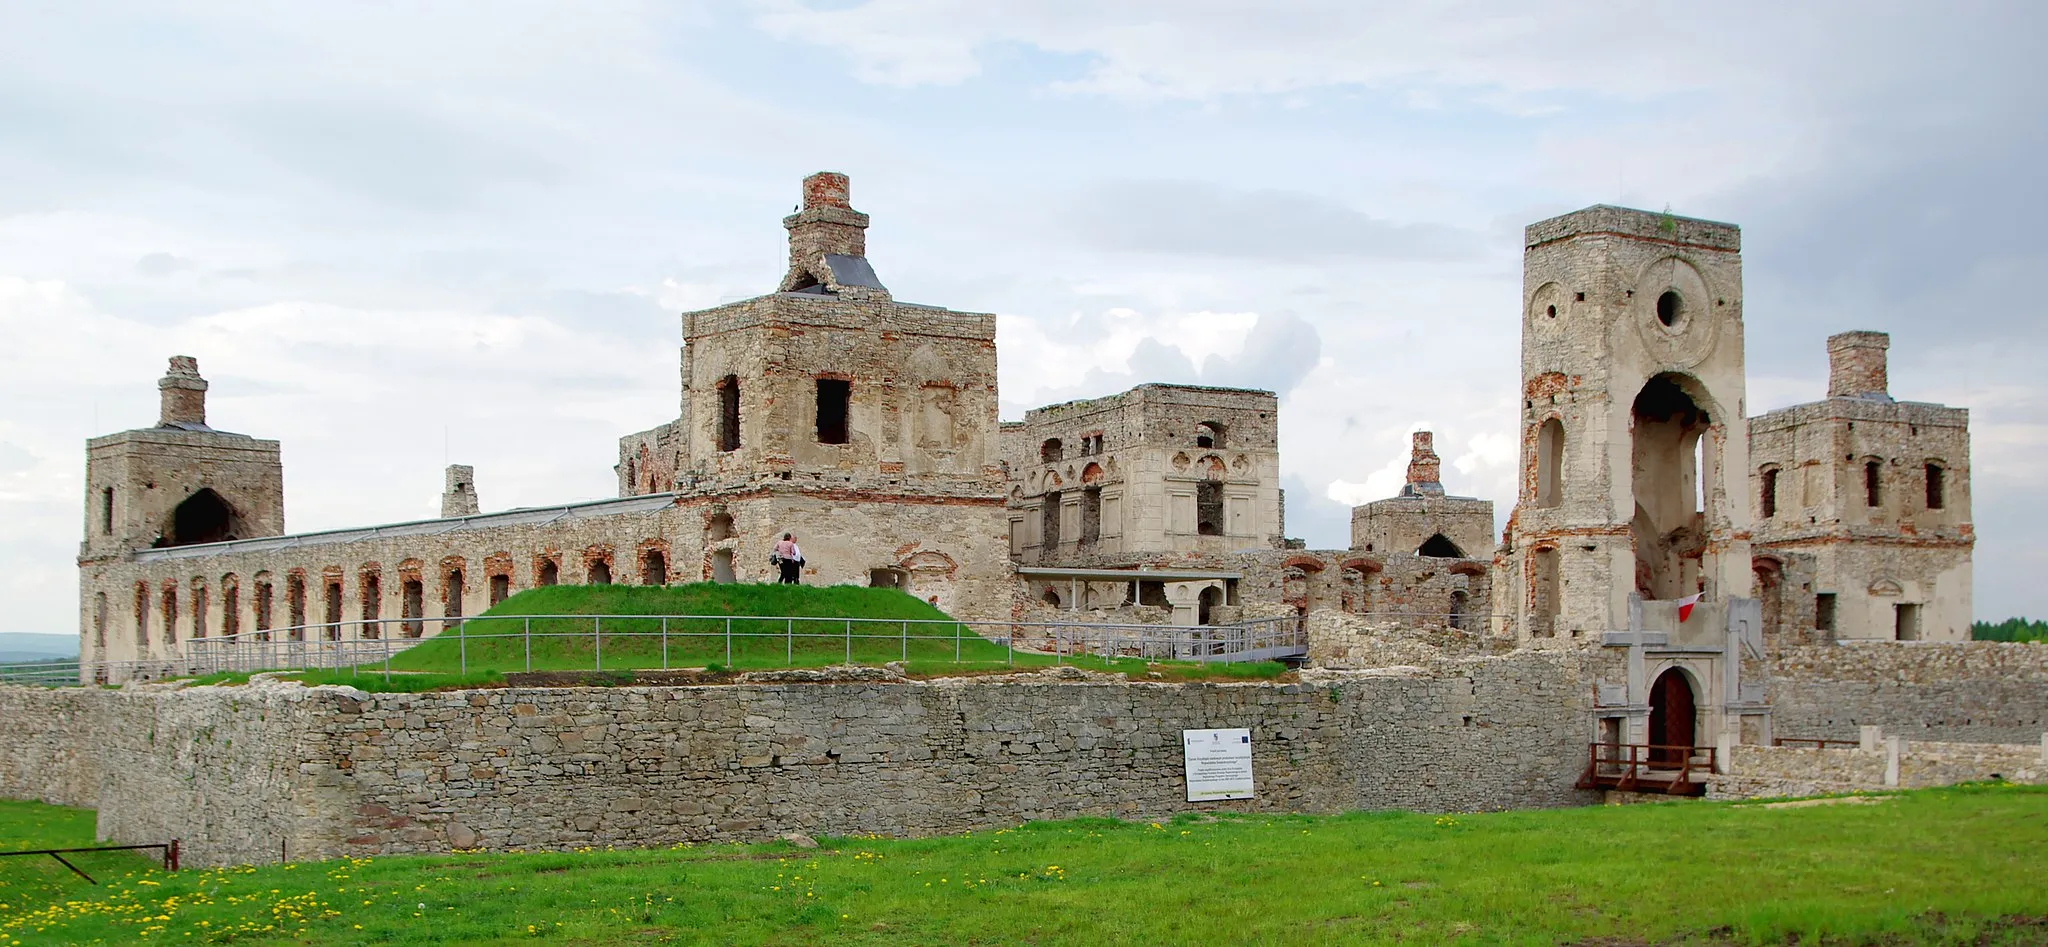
354 773
1157 469
1966 692
1877 493
1766 771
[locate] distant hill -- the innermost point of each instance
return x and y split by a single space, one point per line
20 646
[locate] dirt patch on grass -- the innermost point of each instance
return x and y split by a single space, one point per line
1829 801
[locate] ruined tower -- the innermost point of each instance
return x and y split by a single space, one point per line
1877 493
1423 519
1634 462
828 408
179 483
458 496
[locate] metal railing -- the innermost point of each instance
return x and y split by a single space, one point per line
1814 742
45 673
670 641
169 849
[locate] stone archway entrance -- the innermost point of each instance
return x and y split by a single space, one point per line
1673 717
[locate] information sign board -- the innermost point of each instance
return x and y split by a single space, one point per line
1219 763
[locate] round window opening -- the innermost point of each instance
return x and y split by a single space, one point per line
1550 311
1668 308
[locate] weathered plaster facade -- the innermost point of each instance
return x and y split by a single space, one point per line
1157 469
1877 493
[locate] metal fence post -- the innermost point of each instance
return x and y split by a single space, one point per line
387 659
849 641
728 644
906 641
597 637
956 642
664 644
462 649
788 642
527 635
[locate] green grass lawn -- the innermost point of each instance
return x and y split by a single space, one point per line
1947 866
885 624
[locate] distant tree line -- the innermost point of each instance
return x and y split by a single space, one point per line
2011 629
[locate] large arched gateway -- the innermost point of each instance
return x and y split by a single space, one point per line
1673 718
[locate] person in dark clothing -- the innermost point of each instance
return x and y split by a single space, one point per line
790 559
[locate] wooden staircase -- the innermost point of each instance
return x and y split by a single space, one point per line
1647 767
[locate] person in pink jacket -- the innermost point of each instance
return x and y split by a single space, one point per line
789 559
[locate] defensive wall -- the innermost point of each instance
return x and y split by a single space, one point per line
256 772
1768 771
1964 692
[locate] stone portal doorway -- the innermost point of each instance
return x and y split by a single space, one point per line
1672 718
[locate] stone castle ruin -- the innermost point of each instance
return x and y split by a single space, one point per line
1678 589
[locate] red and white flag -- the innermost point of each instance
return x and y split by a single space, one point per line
1685 605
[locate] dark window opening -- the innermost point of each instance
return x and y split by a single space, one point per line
373 604
549 573
203 518
142 616
451 593
1906 622
729 413
230 608
599 572
833 396
1440 546
1049 522
886 578
107 511
1459 602
170 614
1052 596
1052 451
332 611
1091 515
1205 605
501 588
1153 594
1209 508
295 606
1824 611
720 527
1550 311
1935 499
654 568
263 603
1669 306
99 622
1209 434
1767 493
1873 484
198 609
412 607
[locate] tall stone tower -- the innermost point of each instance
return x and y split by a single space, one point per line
1634 456
829 409
180 483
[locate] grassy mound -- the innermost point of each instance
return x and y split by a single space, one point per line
591 628
1942 866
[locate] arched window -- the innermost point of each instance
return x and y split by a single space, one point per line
1767 492
1935 497
451 594
1873 483
1440 546
549 573
720 527
142 617
1209 434
1209 508
370 583
1052 451
653 568
1550 463
599 571
202 518
295 606
1459 602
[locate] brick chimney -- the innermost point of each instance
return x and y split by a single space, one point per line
1856 365
1425 468
183 393
459 498
826 224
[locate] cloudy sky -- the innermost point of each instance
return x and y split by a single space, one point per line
402 235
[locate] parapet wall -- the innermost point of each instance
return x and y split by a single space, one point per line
240 772
1966 692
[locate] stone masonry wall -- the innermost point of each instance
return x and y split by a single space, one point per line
1765 771
1973 692
331 771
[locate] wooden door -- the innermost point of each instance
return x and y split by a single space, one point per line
1671 717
